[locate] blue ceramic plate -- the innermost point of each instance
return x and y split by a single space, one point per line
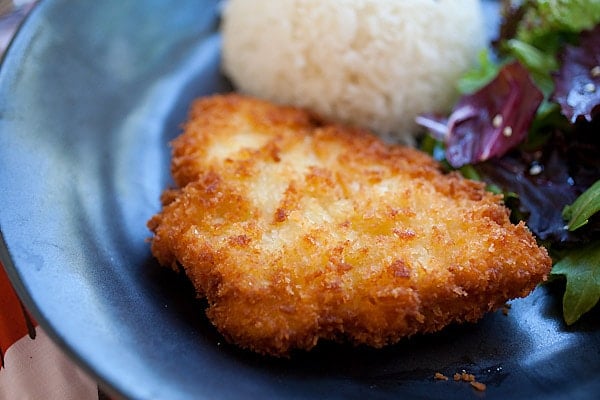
90 95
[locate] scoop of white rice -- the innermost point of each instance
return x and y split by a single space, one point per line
372 63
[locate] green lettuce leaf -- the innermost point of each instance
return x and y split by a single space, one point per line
581 268
480 75
539 64
569 15
548 23
586 205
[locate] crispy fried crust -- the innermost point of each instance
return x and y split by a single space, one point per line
296 230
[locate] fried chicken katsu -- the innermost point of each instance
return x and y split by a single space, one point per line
297 230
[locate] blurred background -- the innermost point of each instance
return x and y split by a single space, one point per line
12 13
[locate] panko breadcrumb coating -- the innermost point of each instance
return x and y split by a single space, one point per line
297 230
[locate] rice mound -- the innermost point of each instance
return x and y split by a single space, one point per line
372 63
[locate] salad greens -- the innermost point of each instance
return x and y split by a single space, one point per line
586 205
581 267
528 124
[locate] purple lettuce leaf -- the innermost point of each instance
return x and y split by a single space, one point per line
437 125
493 120
546 179
577 83
539 198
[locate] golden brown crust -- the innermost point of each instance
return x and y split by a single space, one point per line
296 230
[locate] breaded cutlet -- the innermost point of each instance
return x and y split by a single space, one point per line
297 230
